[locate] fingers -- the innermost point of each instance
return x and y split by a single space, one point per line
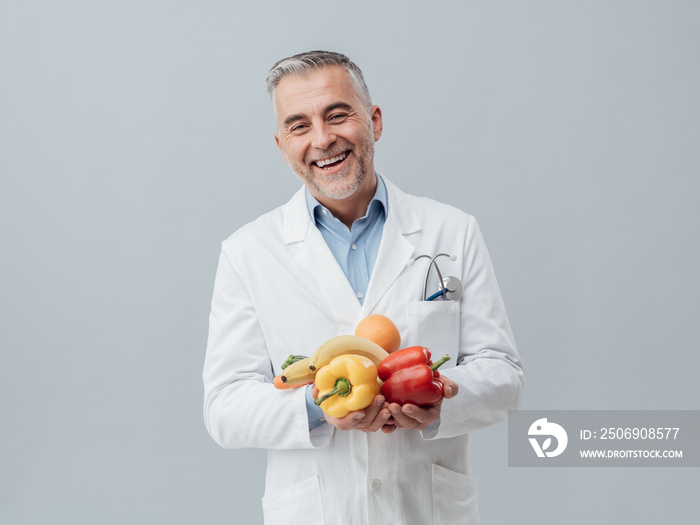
370 413
375 416
345 423
450 388
388 429
371 419
387 417
414 417
380 421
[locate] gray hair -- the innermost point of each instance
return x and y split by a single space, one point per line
304 63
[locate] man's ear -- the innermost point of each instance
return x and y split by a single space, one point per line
279 145
377 125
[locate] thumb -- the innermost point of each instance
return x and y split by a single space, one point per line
450 388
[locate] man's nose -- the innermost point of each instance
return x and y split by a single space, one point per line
323 137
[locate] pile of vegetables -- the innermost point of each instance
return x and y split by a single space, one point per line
350 370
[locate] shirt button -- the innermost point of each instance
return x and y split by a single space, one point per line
325 212
359 295
374 484
353 246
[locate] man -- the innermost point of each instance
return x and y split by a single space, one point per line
311 270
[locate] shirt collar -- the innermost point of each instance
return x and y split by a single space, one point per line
379 202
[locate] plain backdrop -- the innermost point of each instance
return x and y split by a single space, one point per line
136 135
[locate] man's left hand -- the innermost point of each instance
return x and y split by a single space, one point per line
418 418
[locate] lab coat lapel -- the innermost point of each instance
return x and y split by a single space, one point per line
315 257
395 249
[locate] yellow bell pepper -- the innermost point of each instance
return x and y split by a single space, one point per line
347 383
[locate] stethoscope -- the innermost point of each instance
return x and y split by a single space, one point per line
451 286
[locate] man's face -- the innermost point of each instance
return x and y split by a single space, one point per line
326 134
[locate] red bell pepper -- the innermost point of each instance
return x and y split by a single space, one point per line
411 377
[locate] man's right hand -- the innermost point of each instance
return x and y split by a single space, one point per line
376 416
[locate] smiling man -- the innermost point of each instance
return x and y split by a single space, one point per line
327 134
311 270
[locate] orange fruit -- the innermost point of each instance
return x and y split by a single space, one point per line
381 330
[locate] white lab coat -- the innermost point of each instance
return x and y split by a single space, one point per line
279 291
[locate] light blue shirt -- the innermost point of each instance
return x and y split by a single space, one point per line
355 250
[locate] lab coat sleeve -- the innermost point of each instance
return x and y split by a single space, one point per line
242 408
489 371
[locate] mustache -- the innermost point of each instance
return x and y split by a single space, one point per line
330 153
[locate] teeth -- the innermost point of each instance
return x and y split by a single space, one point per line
324 162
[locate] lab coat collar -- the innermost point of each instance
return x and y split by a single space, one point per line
297 220
395 249
315 256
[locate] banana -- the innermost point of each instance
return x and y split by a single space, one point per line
345 344
298 373
304 370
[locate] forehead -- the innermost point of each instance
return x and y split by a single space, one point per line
311 92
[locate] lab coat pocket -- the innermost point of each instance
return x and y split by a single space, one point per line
299 502
435 325
454 497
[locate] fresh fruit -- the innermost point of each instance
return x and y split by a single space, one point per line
298 373
381 330
281 385
292 359
344 344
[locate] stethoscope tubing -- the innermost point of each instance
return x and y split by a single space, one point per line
438 294
442 293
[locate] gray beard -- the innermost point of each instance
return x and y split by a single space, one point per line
333 191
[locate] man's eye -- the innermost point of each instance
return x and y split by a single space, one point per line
338 116
298 127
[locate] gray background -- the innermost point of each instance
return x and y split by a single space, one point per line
136 135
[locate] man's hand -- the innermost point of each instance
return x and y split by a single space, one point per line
371 419
418 418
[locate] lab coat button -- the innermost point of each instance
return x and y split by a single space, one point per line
374 484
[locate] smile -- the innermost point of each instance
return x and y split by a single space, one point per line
331 161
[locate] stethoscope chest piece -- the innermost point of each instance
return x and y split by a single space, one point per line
451 289
453 286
